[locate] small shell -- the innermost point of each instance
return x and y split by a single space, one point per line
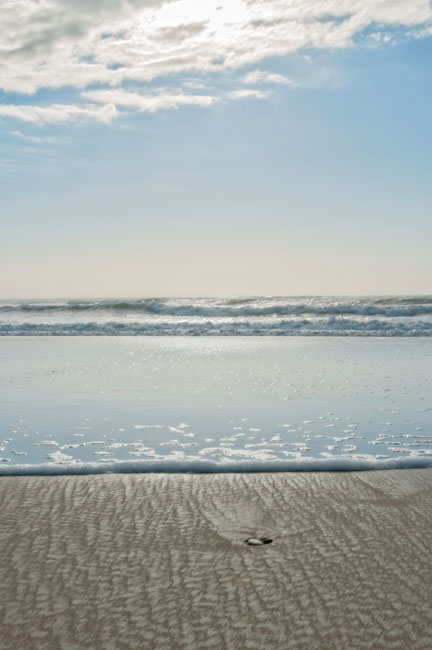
254 542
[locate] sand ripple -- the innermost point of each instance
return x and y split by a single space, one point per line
117 562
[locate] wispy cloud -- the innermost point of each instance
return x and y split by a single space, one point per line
31 138
265 77
56 113
81 43
150 102
243 93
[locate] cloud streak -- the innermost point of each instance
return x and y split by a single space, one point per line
31 138
244 93
265 77
57 113
58 43
150 102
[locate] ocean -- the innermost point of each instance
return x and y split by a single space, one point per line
215 385
406 316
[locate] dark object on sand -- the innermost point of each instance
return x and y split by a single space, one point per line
254 541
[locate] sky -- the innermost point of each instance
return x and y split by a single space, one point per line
197 147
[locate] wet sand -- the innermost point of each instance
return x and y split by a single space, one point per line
119 562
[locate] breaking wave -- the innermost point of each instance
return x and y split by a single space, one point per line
265 316
361 462
322 327
236 307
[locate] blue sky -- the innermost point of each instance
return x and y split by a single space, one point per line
269 150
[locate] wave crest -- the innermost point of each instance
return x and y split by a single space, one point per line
331 326
254 316
236 307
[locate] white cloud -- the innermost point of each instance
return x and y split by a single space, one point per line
31 138
80 43
195 85
56 113
150 102
243 93
263 76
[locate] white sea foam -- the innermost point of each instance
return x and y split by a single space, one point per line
176 463
214 405
233 307
305 316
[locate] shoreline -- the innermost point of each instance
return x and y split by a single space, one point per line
158 561
199 467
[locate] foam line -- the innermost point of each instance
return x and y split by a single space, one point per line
285 327
200 466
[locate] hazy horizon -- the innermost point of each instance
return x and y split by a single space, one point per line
226 296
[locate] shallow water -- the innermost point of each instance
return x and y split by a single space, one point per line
213 404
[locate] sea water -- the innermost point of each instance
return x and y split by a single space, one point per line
407 316
72 404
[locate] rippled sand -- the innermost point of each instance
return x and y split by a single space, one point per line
113 562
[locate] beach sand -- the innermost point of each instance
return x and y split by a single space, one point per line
119 562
